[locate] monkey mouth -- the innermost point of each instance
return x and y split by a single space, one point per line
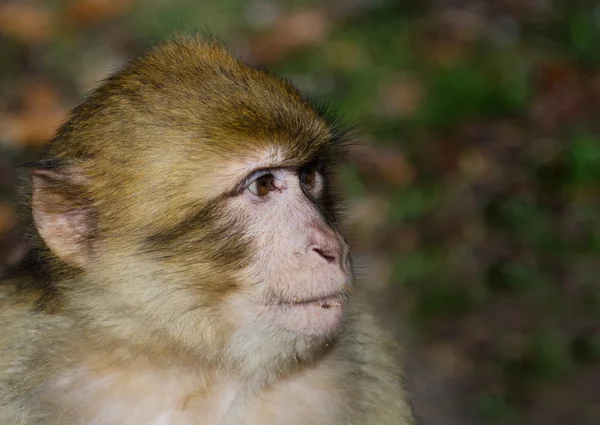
325 302
316 316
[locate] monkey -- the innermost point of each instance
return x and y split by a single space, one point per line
187 264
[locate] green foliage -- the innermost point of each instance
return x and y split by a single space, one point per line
470 90
220 18
583 35
414 202
497 410
584 158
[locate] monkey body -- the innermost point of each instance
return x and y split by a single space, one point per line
187 266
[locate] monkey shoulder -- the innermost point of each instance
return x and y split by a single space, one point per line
27 336
21 319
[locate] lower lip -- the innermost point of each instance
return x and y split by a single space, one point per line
317 318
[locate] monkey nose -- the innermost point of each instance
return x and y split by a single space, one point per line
334 255
329 247
328 255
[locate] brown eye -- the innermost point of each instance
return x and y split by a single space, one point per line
308 178
311 181
262 185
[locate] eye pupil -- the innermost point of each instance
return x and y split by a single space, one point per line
264 185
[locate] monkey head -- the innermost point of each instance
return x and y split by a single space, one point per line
191 196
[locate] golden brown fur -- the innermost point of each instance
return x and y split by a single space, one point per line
137 310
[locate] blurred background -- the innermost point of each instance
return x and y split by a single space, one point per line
474 203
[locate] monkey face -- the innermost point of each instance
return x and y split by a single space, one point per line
300 275
262 259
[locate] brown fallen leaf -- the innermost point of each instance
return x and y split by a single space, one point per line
401 98
389 164
85 13
43 111
26 23
306 28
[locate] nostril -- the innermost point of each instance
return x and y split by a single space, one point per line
330 258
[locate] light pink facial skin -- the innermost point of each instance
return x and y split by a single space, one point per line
301 274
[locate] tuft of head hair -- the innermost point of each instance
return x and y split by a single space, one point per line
194 86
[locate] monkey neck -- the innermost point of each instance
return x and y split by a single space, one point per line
127 365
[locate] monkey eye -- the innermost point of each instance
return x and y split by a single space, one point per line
311 180
263 185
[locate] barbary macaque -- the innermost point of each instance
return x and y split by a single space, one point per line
187 265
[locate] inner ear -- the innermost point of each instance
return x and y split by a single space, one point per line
62 212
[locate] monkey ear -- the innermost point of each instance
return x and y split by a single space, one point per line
62 212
